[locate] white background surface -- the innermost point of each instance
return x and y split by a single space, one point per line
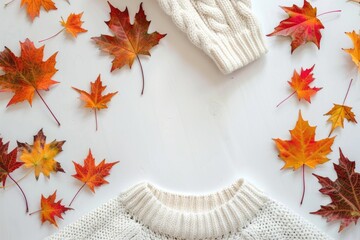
195 130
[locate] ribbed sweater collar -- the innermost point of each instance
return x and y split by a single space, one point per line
194 217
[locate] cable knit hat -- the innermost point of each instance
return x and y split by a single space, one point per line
226 30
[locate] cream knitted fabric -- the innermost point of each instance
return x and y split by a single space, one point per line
226 30
239 212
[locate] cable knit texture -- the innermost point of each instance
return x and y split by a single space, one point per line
226 30
239 212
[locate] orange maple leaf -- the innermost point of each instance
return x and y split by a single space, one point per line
303 150
95 100
354 52
300 84
27 74
51 209
302 25
40 155
129 40
90 174
72 26
33 6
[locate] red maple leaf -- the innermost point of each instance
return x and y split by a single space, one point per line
302 25
344 193
129 40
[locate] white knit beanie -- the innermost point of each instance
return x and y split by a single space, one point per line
226 30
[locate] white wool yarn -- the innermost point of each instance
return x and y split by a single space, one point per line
226 30
239 212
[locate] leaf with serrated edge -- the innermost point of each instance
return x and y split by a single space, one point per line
344 193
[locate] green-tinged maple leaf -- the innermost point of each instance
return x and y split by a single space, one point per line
41 155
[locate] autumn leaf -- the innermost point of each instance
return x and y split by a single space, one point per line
337 115
95 100
303 150
51 209
344 193
90 174
33 6
302 25
8 164
340 112
72 26
300 85
354 52
129 40
27 74
40 155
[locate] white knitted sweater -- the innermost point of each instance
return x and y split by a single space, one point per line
226 30
144 212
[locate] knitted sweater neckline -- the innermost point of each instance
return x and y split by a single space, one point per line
194 216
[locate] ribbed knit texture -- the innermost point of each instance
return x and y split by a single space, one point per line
226 30
239 212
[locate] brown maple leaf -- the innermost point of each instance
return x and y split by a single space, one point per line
40 155
303 150
90 174
129 40
300 84
8 164
72 26
51 209
344 193
302 25
27 74
95 100
33 6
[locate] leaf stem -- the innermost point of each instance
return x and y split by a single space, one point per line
96 119
343 103
303 178
142 74
347 92
6 4
52 36
286 99
335 11
77 193
37 91
13 184
35 212
26 202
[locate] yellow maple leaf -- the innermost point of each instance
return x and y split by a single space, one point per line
337 115
40 155
354 52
